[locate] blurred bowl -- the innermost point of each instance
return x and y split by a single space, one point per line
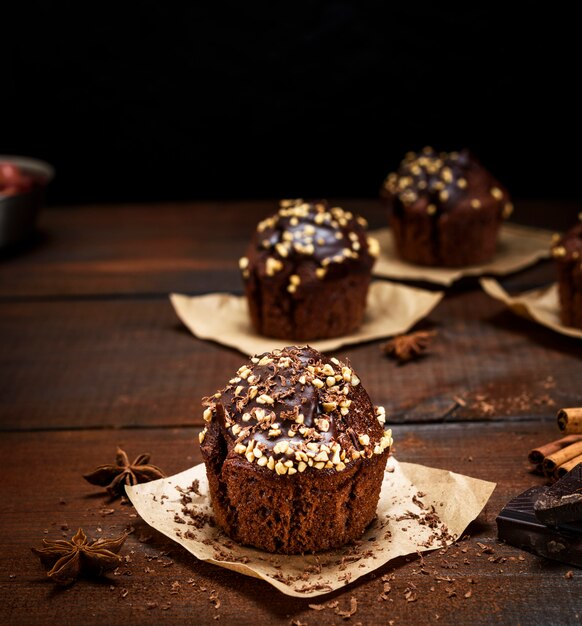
22 186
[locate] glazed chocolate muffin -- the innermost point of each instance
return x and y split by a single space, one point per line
446 209
567 251
307 272
294 452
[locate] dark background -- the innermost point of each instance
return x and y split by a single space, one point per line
155 101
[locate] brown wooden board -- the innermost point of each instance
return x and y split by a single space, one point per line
44 495
86 364
136 249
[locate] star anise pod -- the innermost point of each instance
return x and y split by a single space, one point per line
115 476
67 560
407 347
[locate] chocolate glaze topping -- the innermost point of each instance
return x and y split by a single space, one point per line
436 183
294 410
309 242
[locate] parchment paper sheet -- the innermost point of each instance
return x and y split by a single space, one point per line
541 305
457 500
517 247
222 317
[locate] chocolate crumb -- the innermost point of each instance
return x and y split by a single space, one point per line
352 610
410 595
214 599
321 607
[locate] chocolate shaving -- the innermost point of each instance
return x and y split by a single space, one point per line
352 610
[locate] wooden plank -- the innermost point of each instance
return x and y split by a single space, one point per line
45 496
131 249
135 249
130 363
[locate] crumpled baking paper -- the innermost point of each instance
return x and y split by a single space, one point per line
540 305
517 248
409 493
222 317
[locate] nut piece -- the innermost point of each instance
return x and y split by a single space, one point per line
364 439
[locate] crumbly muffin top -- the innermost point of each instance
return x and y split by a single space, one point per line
309 241
568 248
294 410
436 183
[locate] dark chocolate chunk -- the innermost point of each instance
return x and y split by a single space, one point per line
518 526
562 502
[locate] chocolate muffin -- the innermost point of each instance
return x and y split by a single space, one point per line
295 453
567 252
445 209
307 272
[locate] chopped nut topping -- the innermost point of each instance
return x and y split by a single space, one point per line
327 369
381 415
496 193
279 439
373 247
364 440
322 424
507 210
280 468
476 203
273 266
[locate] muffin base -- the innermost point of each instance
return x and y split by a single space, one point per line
295 514
455 239
328 308
570 291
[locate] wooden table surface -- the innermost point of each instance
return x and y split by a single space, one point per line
93 356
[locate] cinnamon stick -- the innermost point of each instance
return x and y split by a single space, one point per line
562 456
570 420
568 466
537 455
